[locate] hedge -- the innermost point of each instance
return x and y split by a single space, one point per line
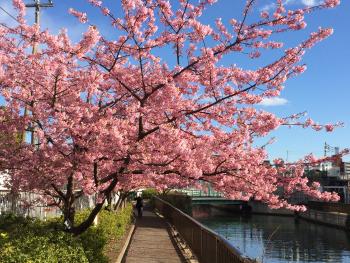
149 193
26 240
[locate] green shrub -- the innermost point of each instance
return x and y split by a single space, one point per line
149 193
111 227
24 240
34 241
179 200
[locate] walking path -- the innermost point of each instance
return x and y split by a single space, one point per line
151 242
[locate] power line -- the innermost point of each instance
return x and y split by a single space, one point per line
9 14
37 5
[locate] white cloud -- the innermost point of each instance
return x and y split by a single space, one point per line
310 2
268 7
272 5
277 101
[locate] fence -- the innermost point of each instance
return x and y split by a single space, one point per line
24 204
208 246
19 204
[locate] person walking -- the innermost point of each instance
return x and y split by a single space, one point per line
139 206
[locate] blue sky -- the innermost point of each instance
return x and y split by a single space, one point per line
323 90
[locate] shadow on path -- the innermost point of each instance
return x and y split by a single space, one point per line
152 242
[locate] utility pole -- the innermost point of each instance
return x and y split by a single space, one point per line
37 5
328 149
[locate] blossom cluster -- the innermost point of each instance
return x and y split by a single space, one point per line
109 115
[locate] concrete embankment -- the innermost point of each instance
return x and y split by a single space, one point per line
335 219
260 208
246 208
329 217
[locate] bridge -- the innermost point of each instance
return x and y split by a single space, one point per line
210 197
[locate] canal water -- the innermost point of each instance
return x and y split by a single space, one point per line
277 239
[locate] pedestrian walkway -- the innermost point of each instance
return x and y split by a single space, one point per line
151 242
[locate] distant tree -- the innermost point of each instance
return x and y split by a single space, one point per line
113 114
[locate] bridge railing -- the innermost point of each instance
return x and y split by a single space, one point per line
200 193
208 246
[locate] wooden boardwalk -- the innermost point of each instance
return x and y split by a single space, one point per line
151 242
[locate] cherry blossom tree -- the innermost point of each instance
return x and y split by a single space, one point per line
113 114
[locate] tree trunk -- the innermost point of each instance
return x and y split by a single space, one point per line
121 200
68 216
109 202
77 230
68 209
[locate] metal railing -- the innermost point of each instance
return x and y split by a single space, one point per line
200 193
208 246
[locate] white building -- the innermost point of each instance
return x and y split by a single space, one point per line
2 182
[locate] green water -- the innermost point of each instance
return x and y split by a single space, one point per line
276 239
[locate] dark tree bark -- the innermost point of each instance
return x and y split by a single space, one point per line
77 230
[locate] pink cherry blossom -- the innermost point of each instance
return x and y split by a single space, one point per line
96 3
81 16
329 127
331 3
106 11
111 115
20 6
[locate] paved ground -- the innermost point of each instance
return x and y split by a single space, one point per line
151 242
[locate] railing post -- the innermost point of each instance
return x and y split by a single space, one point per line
201 243
192 235
224 252
216 250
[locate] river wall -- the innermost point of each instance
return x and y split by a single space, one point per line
203 211
335 219
261 208
329 207
328 217
206 210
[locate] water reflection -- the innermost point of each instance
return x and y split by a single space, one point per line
282 239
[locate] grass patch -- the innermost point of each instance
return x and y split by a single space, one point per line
27 240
